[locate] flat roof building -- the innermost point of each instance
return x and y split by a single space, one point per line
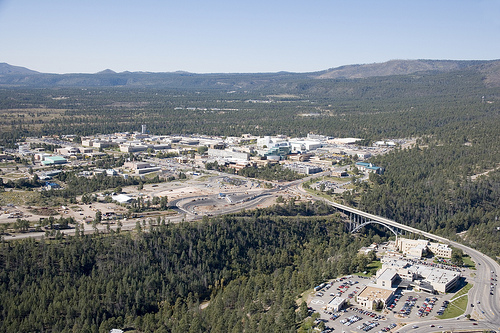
373 295
427 278
48 160
336 304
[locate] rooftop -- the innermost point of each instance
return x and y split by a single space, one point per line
374 293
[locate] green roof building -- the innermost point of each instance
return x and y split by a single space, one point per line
54 160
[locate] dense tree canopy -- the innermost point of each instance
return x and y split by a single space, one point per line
250 268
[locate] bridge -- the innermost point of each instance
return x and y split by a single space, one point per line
359 219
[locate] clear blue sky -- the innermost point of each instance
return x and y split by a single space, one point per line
215 36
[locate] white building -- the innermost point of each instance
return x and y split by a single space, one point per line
336 304
387 278
227 154
424 277
304 145
122 198
418 248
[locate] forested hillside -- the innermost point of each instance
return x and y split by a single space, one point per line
251 269
449 184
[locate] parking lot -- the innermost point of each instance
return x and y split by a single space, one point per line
406 307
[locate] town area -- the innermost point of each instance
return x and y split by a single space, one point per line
172 178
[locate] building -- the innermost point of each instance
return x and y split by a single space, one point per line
387 278
303 157
423 277
103 144
369 167
87 142
440 250
141 167
373 296
279 149
41 156
418 248
68 151
340 174
239 165
122 198
85 150
50 160
24 148
132 148
304 145
343 141
227 154
364 155
303 168
336 304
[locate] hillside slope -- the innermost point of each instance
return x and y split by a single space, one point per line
397 67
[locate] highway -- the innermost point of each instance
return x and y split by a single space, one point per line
484 290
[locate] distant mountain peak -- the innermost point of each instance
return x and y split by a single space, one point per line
5 68
107 71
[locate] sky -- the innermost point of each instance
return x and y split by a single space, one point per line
231 36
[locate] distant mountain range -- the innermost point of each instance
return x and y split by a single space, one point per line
15 76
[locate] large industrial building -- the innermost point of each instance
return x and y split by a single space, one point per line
424 277
49 160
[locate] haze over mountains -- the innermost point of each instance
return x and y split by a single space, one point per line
16 76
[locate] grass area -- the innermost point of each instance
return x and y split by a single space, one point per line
469 263
458 303
18 197
151 175
371 269
465 289
318 193
203 178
